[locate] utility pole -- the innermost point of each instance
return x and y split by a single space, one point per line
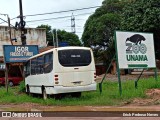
22 24
9 30
6 71
73 25
9 26
6 65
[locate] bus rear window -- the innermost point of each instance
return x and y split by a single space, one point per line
71 58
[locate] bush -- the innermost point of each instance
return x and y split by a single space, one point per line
22 86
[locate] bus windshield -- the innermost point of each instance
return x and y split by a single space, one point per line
76 57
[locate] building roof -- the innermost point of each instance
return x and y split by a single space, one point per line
45 49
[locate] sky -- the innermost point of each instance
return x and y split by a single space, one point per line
30 7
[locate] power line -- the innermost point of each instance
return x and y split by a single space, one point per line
56 18
47 19
56 12
63 11
10 19
50 21
5 21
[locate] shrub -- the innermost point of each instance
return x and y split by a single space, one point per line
22 86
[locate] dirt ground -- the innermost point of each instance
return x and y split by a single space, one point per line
132 76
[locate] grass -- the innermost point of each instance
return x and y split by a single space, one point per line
109 96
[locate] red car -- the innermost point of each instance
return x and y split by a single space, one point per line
11 80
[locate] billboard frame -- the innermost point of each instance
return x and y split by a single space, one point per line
20 57
133 67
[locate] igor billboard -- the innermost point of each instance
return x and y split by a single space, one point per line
18 53
135 50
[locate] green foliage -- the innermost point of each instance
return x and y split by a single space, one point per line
63 36
71 38
127 15
143 16
99 28
22 86
49 37
109 96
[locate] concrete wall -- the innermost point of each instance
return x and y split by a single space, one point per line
35 36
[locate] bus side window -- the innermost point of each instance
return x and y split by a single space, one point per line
48 62
33 66
27 69
40 66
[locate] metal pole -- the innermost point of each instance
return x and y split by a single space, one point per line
119 78
6 77
73 28
23 38
56 38
155 74
9 25
100 84
9 29
136 82
53 38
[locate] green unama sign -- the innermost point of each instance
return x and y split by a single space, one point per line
134 50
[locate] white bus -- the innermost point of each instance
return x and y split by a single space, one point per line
61 70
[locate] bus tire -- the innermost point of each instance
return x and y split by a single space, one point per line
44 94
28 90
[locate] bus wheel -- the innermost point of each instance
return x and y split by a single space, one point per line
76 94
28 91
44 94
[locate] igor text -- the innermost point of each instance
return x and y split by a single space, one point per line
21 51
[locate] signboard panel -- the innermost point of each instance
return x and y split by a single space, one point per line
135 50
19 53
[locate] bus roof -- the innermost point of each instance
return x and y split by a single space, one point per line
60 48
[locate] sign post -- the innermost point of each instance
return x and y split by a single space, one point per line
155 73
135 50
117 67
6 77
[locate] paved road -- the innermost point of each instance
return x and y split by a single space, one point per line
85 118
97 111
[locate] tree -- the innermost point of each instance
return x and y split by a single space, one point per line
99 28
49 37
71 38
143 16
63 36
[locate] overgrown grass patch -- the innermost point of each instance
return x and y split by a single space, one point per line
110 94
